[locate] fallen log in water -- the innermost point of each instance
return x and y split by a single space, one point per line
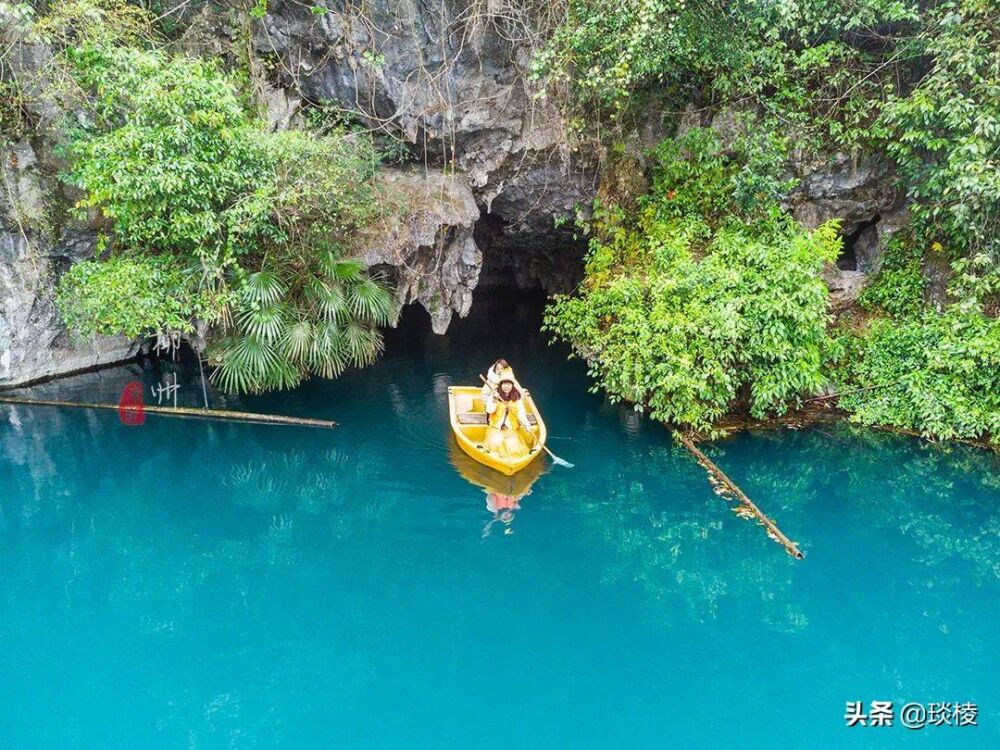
719 479
180 411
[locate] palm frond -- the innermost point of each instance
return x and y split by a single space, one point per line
262 288
328 297
370 301
330 263
243 364
364 343
265 323
297 340
329 355
345 270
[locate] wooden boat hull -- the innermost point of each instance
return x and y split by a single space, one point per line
465 401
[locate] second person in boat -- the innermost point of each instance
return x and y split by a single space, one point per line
499 370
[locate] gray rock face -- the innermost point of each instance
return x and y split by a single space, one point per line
845 286
854 191
428 247
445 78
37 240
870 245
34 342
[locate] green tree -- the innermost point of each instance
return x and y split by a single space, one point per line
211 216
945 135
938 374
705 296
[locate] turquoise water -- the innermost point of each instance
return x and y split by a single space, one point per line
191 584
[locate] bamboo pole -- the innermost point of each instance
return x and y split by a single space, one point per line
731 487
181 411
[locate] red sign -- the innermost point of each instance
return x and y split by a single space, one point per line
130 405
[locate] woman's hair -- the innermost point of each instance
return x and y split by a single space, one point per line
503 364
514 394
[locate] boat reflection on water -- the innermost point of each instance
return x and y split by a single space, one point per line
503 493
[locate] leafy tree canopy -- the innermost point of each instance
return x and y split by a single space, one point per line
705 295
211 216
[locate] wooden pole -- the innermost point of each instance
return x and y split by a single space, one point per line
181 411
717 476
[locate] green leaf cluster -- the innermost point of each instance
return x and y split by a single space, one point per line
821 67
172 158
318 313
134 296
701 298
210 216
938 374
945 135
898 286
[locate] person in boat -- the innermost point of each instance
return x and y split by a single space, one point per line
499 370
507 421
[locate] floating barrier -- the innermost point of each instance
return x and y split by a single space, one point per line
180 411
726 486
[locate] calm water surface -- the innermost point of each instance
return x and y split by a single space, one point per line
188 584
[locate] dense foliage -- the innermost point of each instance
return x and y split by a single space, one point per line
938 374
134 296
917 81
898 286
945 135
217 218
920 81
705 295
821 67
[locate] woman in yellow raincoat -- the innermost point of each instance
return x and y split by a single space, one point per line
507 435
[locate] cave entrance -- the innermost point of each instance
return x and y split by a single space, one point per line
542 261
857 244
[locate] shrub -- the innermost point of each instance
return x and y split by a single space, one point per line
222 220
695 301
898 286
938 374
945 135
134 296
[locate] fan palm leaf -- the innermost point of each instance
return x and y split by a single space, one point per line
344 270
265 323
364 343
329 355
262 288
297 339
250 365
327 297
370 301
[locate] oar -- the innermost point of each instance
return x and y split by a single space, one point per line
556 459
553 456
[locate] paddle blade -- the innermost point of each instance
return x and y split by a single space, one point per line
556 460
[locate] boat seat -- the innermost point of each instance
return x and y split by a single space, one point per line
479 417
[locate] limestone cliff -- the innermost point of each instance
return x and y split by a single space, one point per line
491 175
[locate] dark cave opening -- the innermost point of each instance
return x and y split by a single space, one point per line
547 262
856 244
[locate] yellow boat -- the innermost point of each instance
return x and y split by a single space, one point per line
468 421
